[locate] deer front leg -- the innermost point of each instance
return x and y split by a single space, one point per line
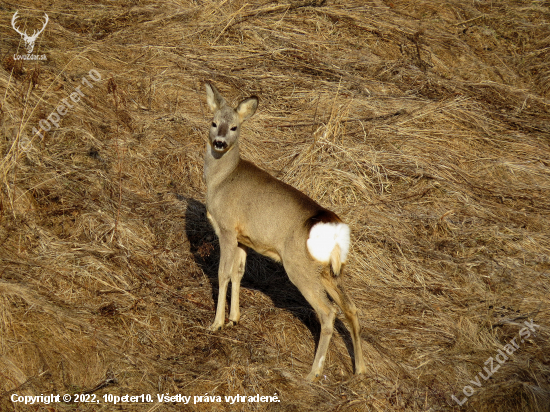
230 255
236 276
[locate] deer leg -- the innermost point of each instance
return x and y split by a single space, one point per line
228 256
326 313
236 276
306 279
338 294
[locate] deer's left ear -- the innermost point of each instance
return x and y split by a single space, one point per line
247 108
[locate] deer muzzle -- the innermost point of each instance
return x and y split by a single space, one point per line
219 144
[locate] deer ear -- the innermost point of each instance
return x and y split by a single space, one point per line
247 108
213 97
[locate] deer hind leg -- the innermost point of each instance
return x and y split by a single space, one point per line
309 284
231 259
337 293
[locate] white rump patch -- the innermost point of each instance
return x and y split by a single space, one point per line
323 237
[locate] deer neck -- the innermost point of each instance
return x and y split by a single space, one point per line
217 166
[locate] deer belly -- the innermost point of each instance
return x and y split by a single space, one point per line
260 247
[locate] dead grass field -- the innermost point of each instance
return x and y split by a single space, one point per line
424 124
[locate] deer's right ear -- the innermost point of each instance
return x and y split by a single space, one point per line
214 99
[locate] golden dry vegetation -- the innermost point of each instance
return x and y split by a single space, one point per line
424 124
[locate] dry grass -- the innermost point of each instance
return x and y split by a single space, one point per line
424 124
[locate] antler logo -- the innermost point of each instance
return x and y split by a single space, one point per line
29 40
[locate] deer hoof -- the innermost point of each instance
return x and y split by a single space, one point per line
313 377
214 327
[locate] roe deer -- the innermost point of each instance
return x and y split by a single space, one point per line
250 208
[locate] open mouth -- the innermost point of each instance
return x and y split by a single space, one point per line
220 144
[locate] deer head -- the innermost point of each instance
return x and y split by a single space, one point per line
29 40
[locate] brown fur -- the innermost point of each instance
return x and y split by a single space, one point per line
249 208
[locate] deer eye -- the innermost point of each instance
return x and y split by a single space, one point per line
214 124
234 128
